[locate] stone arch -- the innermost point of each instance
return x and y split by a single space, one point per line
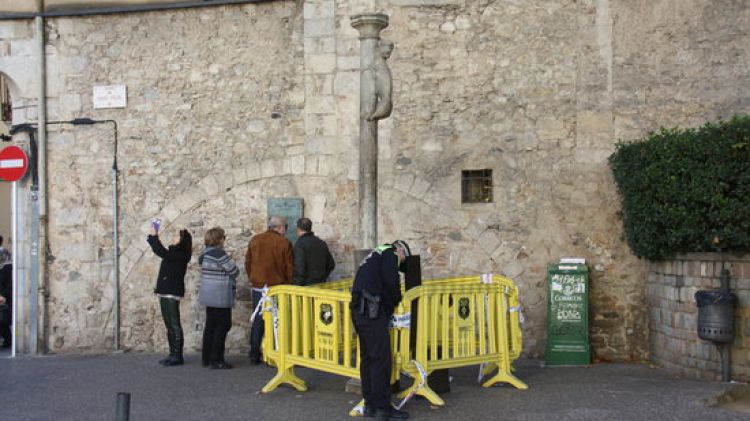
420 190
213 186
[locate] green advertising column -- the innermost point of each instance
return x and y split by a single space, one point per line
567 315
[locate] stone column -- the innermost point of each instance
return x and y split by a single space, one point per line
369 26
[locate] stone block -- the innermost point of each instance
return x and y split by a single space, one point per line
326 165
591 122
320 45
297 164
419 188
321 104
240 175
324 27
317 208
549 128
210 186
311 165
323 63
347 63
253 171
170 213
183 202
404 182
225 178
427 3
321 9
268 168
23 47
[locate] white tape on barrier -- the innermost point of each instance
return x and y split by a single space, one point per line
400 321
259 307
422 381
518 310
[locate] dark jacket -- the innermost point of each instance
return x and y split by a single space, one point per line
312 260
269 260
171 279
378 275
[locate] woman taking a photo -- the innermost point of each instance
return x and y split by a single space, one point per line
218 276
170 287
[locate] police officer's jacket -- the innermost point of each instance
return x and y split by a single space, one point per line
378 275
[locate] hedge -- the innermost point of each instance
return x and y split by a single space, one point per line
686 190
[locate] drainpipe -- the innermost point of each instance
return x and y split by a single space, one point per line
43 241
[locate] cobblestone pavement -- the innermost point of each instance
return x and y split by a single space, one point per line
85 388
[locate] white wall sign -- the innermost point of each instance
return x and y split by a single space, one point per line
110 96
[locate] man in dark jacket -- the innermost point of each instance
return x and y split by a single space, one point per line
375 294
312 259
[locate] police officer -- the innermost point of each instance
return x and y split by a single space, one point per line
375 294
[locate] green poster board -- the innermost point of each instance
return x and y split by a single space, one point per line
290 208
567 315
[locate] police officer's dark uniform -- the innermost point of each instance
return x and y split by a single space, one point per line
375 294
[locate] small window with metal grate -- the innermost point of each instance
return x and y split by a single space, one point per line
476 186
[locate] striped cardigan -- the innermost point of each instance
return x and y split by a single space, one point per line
218 275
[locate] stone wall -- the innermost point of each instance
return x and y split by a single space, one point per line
229 106
675 345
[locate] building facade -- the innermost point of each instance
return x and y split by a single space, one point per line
231 105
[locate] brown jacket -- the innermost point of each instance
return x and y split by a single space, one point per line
269 260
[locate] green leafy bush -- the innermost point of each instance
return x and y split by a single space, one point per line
686 190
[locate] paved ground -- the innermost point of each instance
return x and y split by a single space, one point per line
85 388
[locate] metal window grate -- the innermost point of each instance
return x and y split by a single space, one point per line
476 186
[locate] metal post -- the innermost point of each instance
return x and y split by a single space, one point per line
725 348
123 407
39 233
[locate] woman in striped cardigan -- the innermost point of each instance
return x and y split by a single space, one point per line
217 290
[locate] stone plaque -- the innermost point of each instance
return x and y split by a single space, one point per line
290 208
110 96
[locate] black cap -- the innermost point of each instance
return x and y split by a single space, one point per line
402 243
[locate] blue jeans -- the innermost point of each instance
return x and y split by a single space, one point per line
257 328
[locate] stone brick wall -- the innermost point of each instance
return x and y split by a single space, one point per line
229 106
673 314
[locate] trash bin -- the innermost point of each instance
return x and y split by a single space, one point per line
715 315
567 315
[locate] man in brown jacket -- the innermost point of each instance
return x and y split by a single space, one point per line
269 261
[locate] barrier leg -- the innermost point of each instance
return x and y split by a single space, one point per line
285 375
424 392
420 387
358 409
503 376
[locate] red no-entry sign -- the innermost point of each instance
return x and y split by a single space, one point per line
13 163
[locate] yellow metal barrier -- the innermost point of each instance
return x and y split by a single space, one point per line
462 321
310 327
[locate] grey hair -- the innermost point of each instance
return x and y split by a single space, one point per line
276 221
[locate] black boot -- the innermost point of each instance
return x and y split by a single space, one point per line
174 360
171 313
391 413
170 340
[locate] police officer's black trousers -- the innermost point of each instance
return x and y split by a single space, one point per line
375 359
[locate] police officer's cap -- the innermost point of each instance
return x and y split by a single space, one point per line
402 243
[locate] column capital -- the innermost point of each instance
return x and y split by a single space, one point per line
369 25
